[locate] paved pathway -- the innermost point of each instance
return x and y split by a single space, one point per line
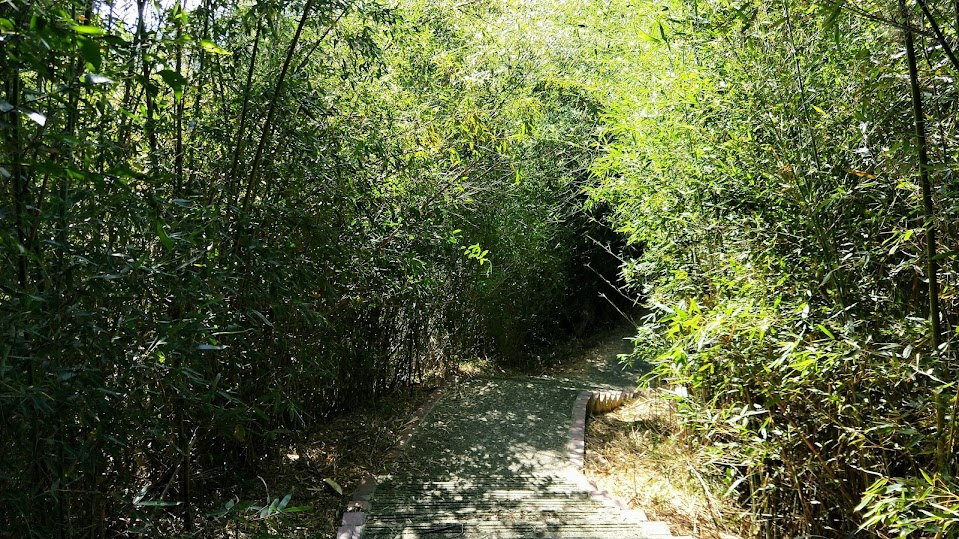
494 459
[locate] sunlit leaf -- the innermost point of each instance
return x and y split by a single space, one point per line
93 78
89 30
38 118
213 48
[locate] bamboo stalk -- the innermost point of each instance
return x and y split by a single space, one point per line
944 442
927 205
178 106
244 111
271 111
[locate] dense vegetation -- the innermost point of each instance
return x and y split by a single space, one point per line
793 217
224 221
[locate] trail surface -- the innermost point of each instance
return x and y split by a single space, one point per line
497 459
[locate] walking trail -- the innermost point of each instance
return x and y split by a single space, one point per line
501 459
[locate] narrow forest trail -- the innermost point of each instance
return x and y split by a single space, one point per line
502 458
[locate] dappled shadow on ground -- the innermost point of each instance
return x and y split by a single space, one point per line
492 456
491 459
604 366
493 428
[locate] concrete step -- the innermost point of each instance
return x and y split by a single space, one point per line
540 480
528 506
516 530
501 496
465 515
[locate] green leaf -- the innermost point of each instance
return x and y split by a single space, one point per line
266 510
804 364
261 317
213 48
174 80
832 16
648 38
165 238
224 510
825 331
90 52
89 30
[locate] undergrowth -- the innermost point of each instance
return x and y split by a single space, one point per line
640 454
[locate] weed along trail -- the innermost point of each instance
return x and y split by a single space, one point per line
502 458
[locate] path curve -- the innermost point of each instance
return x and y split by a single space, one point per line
502 459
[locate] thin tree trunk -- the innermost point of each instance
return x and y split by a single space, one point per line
232 183
271 112
944 440
826 241
928 210
198 100
20 193
178 110
943 42
150 124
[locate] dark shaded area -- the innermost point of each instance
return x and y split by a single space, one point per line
595 283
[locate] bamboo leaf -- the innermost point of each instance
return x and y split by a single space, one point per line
89 30
174 80
333 484
165 238
213 48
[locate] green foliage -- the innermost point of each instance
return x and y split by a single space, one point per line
907 507
767 165
221 223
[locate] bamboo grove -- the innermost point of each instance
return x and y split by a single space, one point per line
222 222
789 167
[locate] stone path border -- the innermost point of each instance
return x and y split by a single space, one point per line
577 456
577 431
354 517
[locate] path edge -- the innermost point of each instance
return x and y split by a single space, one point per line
576 448
354 516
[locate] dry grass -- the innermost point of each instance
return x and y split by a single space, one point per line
344 449
637 453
